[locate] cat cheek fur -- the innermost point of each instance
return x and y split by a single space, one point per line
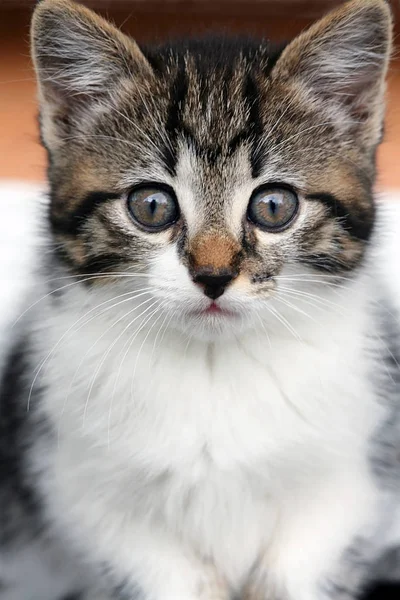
174 460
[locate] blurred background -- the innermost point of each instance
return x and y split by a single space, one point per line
21 157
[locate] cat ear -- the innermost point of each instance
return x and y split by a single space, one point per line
342 61
78 55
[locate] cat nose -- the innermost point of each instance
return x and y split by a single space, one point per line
214 283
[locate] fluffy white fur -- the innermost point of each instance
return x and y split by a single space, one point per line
234 451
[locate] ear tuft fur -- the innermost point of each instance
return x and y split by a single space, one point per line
77 52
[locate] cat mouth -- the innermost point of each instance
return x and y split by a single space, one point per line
214 309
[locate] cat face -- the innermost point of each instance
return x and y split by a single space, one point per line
214 168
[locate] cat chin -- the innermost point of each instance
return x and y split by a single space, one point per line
210 327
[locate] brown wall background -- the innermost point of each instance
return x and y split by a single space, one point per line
20 154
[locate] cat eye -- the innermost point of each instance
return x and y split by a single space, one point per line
153 207
273 208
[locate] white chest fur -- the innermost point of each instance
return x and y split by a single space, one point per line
207 438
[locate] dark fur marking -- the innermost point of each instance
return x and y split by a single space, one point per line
326 262
358 227
14 441
238 140
62 255
181 241
100 263
190 137
261 278
120 589
209 54
210 153
252 97
212 51
382 592
73 223
353 572
173 125
385 447
128 592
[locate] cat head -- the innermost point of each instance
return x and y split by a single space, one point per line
212 168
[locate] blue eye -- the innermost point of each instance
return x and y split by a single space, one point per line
273 208
153 208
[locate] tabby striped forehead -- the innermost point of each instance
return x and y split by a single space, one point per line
212 86
213 119
201 104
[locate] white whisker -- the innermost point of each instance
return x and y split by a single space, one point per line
140 351
296 308
97 371
128 343
133 296
156 338
54 348
68 285
314 297
284 322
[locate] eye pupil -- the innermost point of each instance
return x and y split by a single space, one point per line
273 208
153 209
153 206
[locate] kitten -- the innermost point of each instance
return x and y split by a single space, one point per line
201 403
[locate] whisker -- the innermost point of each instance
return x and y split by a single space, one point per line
315 297
138 129
54 348
156 338
265 330
134 296
68 285
173 313
98 368
300 133
129 346
263 142
392 356
322 277
99 275
296 308
157 126
109 137
311 303
284 322
328 284
140 351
